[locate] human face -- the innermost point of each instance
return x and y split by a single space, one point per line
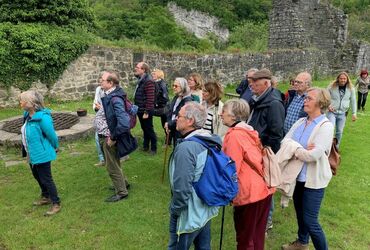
205 95
227 119
258 86
104 84
139 71
23 104
301 83
191 83
311 105
183 124
176 88
342 80
154 75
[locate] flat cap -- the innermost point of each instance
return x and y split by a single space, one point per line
262 74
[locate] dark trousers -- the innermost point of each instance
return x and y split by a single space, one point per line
148 131
201 237
307 203
250 224
361 100
42 174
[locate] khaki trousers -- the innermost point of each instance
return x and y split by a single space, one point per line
113 164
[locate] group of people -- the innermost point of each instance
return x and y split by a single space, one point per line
298 126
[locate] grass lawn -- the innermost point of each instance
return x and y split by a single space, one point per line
141 221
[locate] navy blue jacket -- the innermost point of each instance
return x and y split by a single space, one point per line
118 119
244 91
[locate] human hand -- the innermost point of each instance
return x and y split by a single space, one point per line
97 106
145 116
331 108
166 127
354 118
110 142
310 146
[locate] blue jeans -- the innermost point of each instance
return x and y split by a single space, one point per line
201 238
42 174
98 147
338 120
307 203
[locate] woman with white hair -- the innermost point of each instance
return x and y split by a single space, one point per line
182 95
40 144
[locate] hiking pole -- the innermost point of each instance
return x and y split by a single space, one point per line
222 225
165 156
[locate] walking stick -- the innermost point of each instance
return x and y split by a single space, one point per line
222 225
165 156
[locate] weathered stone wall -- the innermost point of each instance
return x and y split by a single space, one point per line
307 23
81 77
198 23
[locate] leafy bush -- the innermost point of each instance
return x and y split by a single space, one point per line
32 52
59 12
249 36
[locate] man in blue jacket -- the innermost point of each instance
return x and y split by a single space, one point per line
111 126
190 217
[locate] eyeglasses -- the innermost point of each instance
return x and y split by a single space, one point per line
175 86
309 98
298 82
179 116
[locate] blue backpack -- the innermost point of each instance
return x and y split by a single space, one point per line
218 184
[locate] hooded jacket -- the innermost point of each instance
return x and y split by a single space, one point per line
40 136
268 118
186 166
243 145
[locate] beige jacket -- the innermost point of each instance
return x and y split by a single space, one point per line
290 166
318 169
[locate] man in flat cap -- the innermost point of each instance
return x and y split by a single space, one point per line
268 111
268 115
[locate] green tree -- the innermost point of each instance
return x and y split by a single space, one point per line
59 12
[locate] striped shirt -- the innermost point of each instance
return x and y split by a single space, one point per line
209 122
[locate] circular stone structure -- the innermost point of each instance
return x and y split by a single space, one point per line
68 127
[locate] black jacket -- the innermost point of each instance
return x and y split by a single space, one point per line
172 123
268 118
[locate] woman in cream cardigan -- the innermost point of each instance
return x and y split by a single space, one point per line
314 133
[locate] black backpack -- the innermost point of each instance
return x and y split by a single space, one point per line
161 98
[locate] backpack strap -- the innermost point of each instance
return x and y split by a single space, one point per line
200 141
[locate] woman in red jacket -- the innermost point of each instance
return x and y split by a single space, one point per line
252 204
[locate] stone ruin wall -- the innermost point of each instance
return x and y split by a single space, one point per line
316 24
304 35
81 77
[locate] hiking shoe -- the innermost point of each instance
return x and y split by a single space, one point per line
55 208
295 245
269 225
116 197
100 164
42 201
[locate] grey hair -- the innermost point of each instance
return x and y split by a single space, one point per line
33 99
238 108
196 111
185 90
254 70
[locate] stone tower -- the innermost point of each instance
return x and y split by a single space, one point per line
315 24
307 24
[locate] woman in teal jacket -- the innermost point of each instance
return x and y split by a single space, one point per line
40 144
